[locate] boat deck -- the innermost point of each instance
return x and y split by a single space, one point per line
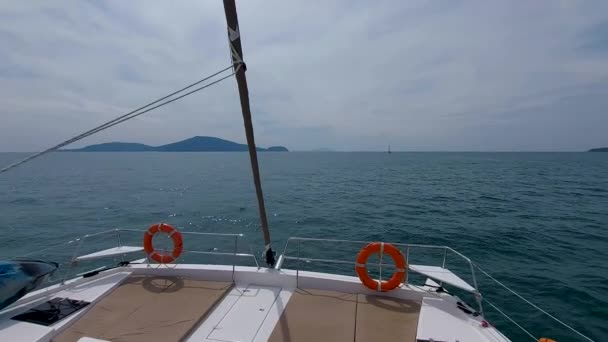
211 303
319 315
150 308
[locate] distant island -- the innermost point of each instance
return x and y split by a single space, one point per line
601 149
194 144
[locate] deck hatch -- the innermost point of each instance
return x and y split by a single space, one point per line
51 311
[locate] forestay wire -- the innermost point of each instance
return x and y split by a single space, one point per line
130 115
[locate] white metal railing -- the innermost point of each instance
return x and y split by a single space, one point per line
300 240
76 245
471 265
235 253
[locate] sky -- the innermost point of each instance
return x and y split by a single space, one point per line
345 75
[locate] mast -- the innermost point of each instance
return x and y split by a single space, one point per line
240 68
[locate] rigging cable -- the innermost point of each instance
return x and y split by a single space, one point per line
130 115
124 117
510 319
531 304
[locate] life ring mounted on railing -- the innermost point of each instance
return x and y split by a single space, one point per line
381 248
176 236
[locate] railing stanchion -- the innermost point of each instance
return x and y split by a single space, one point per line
380 267
73 259
477 293
445 256
236 243
118 237
407 263
122 256
298 267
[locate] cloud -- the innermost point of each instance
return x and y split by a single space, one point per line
350 75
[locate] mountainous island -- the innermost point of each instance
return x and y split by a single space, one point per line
601 149
194 144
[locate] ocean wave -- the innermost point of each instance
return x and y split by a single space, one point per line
25 201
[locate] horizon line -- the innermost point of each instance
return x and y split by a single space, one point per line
330 151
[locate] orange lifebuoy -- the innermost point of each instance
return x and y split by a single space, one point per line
381 248
175 235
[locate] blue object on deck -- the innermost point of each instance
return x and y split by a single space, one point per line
20 276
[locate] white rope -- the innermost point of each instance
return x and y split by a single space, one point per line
533 305
128 116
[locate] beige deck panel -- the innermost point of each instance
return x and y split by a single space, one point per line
317 315
145 308
386 319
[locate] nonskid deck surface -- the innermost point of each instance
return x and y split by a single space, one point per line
386 319
148 308
319 315
152 308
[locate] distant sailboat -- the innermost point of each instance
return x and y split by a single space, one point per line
389 149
